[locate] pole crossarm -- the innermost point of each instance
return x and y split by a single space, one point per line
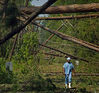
73 57
33 16
69 17
75 8
70 38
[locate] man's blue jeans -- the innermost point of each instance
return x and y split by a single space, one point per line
68 78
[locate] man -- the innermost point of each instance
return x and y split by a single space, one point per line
67 70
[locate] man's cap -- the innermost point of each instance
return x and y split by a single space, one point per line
68 58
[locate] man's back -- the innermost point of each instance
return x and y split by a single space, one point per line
68 67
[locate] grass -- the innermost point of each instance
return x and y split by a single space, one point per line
82 83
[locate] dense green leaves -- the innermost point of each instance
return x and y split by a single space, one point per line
28 48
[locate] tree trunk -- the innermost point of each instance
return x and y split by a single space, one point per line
33 16
75 8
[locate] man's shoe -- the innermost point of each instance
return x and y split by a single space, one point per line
69 85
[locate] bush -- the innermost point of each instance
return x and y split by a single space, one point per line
5 76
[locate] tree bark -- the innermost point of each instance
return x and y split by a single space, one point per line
75 8
70 38
69 17
73 57
34 15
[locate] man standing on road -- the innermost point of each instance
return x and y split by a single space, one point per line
68 68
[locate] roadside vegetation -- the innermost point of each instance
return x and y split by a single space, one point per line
33 71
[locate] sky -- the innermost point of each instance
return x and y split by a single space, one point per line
38 2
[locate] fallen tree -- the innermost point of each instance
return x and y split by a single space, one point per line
70 38
66 54
33 15
75 8
69 17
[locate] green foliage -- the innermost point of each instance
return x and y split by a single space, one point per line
26 57
28 48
